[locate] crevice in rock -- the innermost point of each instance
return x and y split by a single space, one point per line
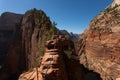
91 75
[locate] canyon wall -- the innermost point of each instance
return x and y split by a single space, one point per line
99 45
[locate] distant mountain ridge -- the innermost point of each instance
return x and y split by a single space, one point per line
73 36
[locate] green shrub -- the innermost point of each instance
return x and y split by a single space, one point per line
53 29
67 37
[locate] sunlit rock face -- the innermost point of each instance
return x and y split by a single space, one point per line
116 2
99 45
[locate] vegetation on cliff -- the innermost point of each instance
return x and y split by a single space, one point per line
37 29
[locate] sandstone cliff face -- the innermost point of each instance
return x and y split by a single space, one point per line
8 24
36 30
26 43
99 45
10 44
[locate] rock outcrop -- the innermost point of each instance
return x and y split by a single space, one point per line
99 45
55 64
36 30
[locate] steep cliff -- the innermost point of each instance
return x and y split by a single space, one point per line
10 44
26 42
99 45
8 24
36 30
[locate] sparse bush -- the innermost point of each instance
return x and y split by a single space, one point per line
67 37
53 28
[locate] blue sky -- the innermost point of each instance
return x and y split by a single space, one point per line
72 15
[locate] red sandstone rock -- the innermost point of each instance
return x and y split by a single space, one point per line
99 48
55 65
26 41
10 45
36 31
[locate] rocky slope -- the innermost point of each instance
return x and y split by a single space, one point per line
99 45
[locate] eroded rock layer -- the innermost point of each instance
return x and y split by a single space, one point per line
55 65
99 45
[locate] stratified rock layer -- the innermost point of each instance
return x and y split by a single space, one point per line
55 65
99 45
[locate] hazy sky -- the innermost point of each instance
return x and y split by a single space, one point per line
72 15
